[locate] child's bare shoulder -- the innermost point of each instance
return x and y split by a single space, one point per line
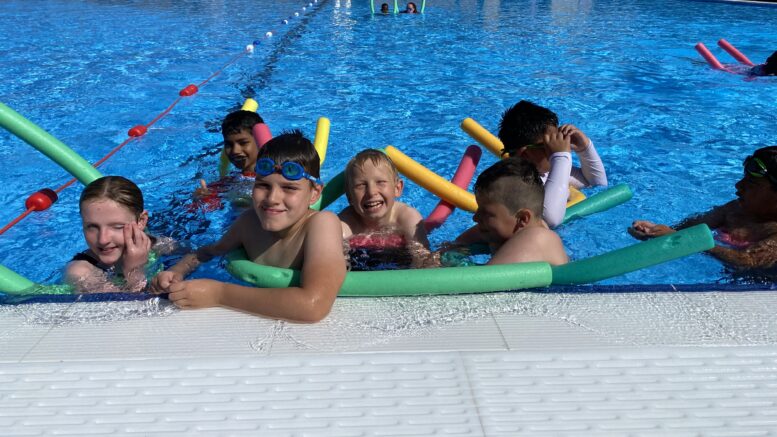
78 269
406 213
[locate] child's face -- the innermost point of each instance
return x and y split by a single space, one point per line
537 153
103 222
757 196
280 203
241 149
495 222
373 190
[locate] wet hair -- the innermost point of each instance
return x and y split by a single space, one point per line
770 67
513 182
293 146
384 6
119 189
415 8
523 123
238 121
376 157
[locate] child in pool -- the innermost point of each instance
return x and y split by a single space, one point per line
410 9
280 230
384 8
509 216
745 227
241 149
374 218
113 221
532 132
769 68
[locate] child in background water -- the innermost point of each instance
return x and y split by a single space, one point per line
769 68
241 149
113 221
375 220
746 228
280 231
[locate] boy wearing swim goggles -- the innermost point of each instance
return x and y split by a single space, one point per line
281 231
745 228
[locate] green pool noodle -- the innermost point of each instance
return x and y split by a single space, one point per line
372 7
13 283
637 256
599 202
74 164
423 5
413 282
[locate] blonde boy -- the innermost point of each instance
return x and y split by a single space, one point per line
282 231
509 216
372 186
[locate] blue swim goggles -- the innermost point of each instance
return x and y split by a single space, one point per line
290 170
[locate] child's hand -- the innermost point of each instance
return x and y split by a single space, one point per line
136 247
162 282
579 140
197 293
557 142
202 191
643 230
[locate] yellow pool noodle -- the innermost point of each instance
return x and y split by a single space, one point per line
322 137
432 182
482 136
250 105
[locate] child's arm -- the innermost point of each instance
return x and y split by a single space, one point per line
557 185
411 224
643 229
323 273
762 254
190 262
592 171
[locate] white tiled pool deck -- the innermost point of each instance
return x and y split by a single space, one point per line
494 365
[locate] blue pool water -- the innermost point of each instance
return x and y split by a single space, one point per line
624 72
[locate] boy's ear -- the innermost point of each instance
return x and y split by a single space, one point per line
143 220
398 187
522 218
315 193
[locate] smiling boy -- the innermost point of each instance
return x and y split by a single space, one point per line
281 231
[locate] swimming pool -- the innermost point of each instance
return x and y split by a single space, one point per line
666 124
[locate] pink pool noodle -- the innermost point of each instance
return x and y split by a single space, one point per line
714 63
262 134
736 54
461 179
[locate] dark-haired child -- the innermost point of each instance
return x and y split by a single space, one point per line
240 148
533 133
745 228
769 68
281 231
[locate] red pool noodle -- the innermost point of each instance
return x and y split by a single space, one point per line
736 54
461 178
262 134
714 63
